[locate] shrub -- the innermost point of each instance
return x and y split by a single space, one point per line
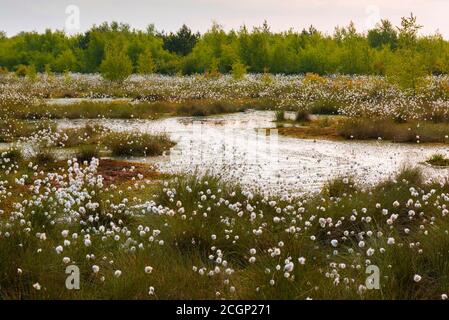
21 70
3 70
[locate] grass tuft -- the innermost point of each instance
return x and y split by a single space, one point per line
126 144
438 160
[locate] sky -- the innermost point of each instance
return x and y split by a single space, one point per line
79 15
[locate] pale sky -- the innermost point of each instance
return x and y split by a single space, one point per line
28 15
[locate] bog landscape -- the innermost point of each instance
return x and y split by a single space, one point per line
245 164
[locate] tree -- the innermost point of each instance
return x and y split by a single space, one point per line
116 66
65 61
383 34
238 70
48 70
259 47
145 63
381 51
182 42
408 32
31 72
212 71
407 68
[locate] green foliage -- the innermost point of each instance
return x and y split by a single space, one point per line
116 65
217 51
238 70
438 160
66 60
182 42
21 70
368 128
31 72
129 144
145 63
213 71
407 69
48 70
383 35
87 152
280 115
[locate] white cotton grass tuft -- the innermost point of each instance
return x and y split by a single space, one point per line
148 269
59 249
289 267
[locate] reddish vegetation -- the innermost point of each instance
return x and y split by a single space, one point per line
116 171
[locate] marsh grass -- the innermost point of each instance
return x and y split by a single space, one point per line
193 238
438 160
12 129
134 110
303 116
368 129
13 154
95 110
339 187
126 144
324 107
89 134
183 224
87 152
44 156
201 108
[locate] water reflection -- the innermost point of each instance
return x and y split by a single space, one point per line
245 147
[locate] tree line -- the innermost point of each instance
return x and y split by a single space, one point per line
114 49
